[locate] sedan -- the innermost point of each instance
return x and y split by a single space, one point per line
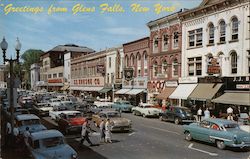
219 131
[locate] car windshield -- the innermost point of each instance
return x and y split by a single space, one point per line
30 122
231 126
185 110
113 115
75 115
52 142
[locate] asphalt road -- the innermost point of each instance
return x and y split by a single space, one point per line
153 139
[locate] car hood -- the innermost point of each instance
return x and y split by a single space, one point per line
58 152
46 108
77 121
32 128
120 121
239 133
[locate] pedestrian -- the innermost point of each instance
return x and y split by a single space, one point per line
199 114
26 135
108 131
102 130
8 134
206 114
85 133
230 113
15 133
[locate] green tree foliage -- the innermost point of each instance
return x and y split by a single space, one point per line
30 57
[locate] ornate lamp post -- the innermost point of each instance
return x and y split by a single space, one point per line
4 46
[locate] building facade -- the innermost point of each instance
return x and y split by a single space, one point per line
136 64
34 75
164 57
215 45
88 74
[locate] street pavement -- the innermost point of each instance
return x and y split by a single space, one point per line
153 139
149 139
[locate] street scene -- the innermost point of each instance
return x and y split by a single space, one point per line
129 80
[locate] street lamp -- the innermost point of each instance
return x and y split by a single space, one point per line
4 47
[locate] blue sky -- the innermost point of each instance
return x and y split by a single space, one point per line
94 30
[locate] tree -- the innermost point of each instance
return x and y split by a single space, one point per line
30 57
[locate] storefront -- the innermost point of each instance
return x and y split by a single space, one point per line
155 87
55 84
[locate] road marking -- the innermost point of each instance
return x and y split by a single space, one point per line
131 134
210 153
163 130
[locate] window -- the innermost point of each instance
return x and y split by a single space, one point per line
248 30
233 62
155 44
195 66
145 64
222 34
60 75
155 69
108 78
195 37
211 33
138 64
176 40
165 68
54 75
49 75
165 42
175 68
112 77
126 61
235 25
109 62
132 60
249 62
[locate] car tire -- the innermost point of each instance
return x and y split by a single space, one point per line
144 115
220 144
134 112
177 121
188 136
161 118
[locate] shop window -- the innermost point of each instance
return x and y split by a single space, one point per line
165 42
211 33
222 28
176 40
233 62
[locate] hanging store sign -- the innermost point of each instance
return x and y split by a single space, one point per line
213 66
100 69
128 73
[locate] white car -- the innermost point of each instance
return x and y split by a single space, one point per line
55 115
146 110
42 109
55 101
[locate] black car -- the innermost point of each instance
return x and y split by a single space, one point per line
177 114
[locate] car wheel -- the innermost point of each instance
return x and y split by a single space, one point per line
134 112
188 136
177 121
220 144
144 115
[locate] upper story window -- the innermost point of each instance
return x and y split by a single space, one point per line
126 61
54 75
138 64
176 40
165 68
235 28
222 34
175 68
195 37
108 78
249 62
132 60
165 42
233 62
211 33
155 44
145 64
49 75
195 66
60 75
155 69
248 29
109 62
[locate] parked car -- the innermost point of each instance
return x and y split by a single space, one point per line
50 144
42 109
146 110
26 102
177 114
219 131
29 120
70 121
55 102
55 113
117 122
244 122
123 106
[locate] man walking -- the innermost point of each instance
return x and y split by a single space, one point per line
85 133
102 130
199 114
207 113
108 131
8 134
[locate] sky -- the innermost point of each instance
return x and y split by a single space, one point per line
95 30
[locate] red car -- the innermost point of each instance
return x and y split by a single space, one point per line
71 121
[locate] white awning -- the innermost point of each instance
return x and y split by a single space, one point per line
183 91
237 98
122 91
135 91
88 89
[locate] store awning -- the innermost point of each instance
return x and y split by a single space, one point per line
166 93
122 91
237 98
135 91
87 89
183 91
205 91
105 90
65 87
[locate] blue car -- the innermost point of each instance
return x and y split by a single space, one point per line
219 131
50 144
122 106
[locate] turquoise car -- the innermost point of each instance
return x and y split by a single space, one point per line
219 131
122 106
